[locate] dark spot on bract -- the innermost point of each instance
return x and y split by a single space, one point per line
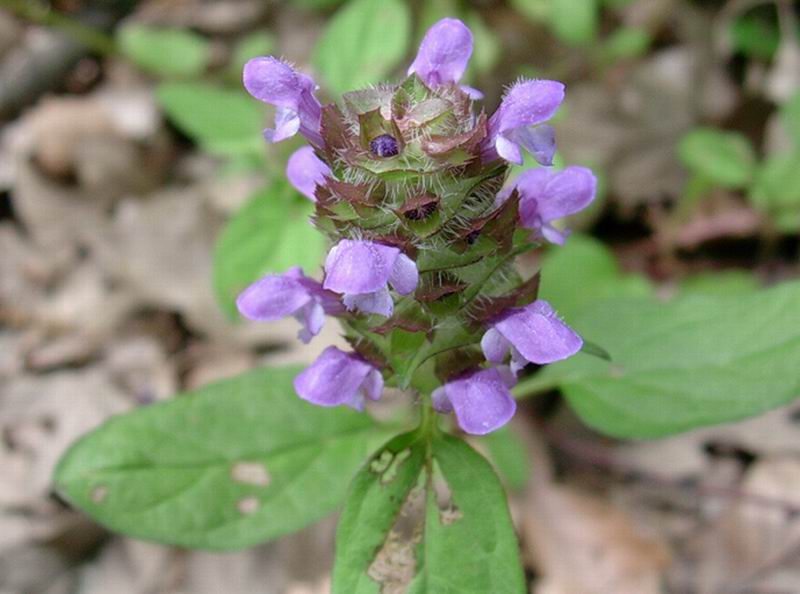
384 145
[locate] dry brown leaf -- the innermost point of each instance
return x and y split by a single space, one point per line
752 543
583 545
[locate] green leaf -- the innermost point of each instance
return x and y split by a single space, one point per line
469 545
695 361
583 272
626 43
460 541
507 453
728 282
535 10
315 4
776 190
790 117
362 43
371 509
269 234
574 21
168 52
724 158
227 466
755 36
222 121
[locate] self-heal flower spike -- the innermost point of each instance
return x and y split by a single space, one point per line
533 334
547 195
275 82
519 122
306 171
338 378
481 400
443 54
278 296
406 181
363 270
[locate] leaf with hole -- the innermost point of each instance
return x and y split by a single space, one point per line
374 501
227 466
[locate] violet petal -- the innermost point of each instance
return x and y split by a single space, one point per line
356 267
440 401
379 302
494 345
443 53
508 150
527 103
567 191
538 333
404 277
272 298
539 141
482 402
275 82
306 171
336 378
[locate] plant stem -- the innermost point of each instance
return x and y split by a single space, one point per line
93 39
531 386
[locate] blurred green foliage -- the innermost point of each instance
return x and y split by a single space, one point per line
166 52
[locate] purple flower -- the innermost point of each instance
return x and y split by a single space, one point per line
481 400
292 293
338 378
362 271
547 195
306 171
518 122
533 334
275 82
444 53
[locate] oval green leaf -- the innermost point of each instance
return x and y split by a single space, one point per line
220 120
168 52
723 158
230 465
696 361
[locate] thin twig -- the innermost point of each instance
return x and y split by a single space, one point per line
33 11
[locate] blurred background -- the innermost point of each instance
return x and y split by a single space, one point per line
137 197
